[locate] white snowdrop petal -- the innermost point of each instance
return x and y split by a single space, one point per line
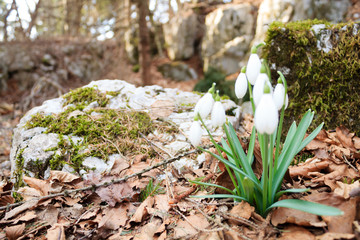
259 87
241 85
266 116
195 133
253 68
286 101
218 116
204 105
279 94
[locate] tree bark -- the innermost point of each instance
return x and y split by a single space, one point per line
34 15
144 42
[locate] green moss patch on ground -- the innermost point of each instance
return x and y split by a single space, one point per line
326 82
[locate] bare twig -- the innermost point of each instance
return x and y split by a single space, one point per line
104 184
37 228
156 145
348 163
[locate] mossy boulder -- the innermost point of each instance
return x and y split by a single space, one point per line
90 128
321 63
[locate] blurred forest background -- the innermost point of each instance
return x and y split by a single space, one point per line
49 46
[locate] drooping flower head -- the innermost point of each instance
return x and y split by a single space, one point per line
218 117
195 132
266 116
261 81
279 95
241 84
253 65
205 103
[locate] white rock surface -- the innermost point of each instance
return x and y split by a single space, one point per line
34 144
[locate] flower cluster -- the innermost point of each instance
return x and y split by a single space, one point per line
208 104
263 193
266 100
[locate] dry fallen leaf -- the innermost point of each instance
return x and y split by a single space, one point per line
49 215
148 231
347 206
345 137
14 232
114 218
162 108
185 229
27 205
288 215
56 232
335 236
64 177
304 169
5 200
344 190
41 185
296 233
141 211
241 210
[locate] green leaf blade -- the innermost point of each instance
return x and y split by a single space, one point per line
309 207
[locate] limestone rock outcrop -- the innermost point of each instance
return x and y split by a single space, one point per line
229 30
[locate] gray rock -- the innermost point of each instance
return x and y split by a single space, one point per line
180 34
296 10
227 59
177 71
36 147
228 28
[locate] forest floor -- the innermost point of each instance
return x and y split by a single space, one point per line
66 207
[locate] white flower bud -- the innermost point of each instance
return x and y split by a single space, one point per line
259 87
266 116
204 105
218 117
253 68
241 85
195 133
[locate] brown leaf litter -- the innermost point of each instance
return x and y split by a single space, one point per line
58 207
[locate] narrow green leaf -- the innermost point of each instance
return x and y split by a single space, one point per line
251 147
212 185
293 190
310 207
311 136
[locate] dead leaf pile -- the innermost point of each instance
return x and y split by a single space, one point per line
114 211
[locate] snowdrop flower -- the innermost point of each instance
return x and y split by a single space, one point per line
205 104
279 94
218 117
266 116
259 85
253 66
195 133
241 84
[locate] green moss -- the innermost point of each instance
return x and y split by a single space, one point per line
323 81
18 174
82 97
105 132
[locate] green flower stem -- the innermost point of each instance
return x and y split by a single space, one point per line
251 97
271 169
265 143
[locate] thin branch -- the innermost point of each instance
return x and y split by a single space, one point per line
104 184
